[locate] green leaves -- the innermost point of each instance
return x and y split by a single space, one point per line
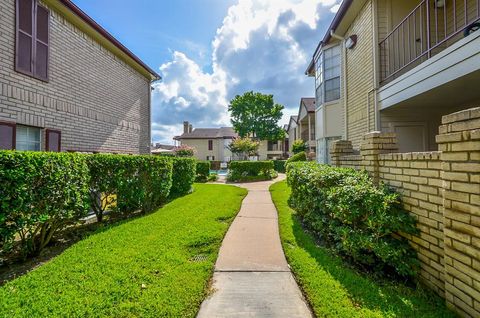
359 219
256 115
244 147
251 171
203 171
299 146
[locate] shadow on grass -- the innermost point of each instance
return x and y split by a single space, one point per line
15 266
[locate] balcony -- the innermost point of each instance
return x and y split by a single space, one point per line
430 28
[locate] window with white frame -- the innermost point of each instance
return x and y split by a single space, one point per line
327 75
28 138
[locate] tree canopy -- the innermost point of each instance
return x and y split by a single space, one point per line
256 115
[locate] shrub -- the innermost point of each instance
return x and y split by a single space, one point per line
279 165
212 177
203 171
299 146
345 209
40 194
184 173
301 156
184 151
251 171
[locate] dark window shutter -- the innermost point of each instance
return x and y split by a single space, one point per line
7 136
41 43
24 49
53 140
210 145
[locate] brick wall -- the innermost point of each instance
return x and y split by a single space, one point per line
98 101
442 190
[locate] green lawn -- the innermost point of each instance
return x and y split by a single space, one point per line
333 289
140 268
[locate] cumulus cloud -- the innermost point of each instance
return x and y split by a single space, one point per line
262 45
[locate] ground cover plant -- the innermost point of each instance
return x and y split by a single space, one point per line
345 209
158 265
335 289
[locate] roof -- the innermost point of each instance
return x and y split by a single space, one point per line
309 103
333 26
161 150
210 133
89 21
294 118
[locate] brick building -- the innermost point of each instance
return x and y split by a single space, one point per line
66 84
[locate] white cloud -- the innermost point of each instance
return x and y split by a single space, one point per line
262 45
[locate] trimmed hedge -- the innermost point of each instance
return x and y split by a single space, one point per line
251 171
42 192
344 208
279 165
301 156
203 171
184 173
39 194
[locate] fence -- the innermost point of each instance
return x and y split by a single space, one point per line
442 190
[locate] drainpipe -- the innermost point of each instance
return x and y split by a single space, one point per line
376 65
344 77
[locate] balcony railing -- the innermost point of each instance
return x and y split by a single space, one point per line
430 28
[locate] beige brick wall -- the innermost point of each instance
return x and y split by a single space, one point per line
98 101
442 190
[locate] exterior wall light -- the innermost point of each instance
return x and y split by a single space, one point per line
351 41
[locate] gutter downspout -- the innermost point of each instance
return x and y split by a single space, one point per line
376 64
344 76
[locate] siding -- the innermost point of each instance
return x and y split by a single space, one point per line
96 100
360 76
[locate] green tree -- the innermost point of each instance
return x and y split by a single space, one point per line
256 115
244 147
299 146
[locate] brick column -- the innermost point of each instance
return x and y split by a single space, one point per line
339 149
459 141
374 144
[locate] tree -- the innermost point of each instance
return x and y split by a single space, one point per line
299 146
184 151
256 115
244 147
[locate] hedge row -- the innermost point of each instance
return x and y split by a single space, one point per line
203 171
345 209
251 171
301 156
279 165
43 192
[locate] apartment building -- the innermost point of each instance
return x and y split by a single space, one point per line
66 84
395 66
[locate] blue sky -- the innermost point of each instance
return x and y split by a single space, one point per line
207 51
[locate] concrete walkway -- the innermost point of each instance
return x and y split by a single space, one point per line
252 277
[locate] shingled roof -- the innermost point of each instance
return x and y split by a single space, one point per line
309 103
209 133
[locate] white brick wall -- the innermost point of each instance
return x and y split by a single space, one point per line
98 102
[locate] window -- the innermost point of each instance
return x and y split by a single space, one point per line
210 145
272 146
211 158
53 140
28 138
7 136
32 42
327 75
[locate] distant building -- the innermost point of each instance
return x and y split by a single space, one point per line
212 143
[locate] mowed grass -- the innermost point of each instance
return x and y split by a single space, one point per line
141 268
335 290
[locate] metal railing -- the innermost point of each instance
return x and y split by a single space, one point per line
432 26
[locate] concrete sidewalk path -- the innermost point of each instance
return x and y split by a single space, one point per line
252 277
